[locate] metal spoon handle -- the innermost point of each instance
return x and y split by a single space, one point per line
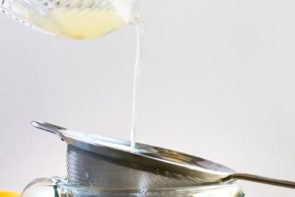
263 180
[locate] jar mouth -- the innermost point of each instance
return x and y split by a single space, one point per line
54 187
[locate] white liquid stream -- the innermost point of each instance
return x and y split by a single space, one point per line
136 78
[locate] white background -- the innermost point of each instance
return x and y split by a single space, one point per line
218 82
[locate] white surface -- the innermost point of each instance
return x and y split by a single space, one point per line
218 82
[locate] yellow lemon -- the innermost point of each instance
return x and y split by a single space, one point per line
8 194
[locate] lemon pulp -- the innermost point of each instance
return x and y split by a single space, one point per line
80 24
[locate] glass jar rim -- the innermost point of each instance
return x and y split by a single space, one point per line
54 187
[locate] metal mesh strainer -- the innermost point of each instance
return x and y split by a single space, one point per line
90 169
108 162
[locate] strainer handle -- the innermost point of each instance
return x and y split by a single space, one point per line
47 127
261 179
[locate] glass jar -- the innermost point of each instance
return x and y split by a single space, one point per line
57 187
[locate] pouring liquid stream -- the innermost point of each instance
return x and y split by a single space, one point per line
136 78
